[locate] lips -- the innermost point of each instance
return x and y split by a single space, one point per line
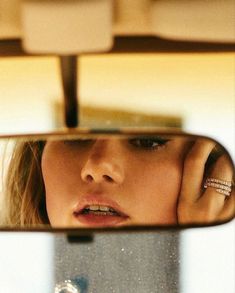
96 211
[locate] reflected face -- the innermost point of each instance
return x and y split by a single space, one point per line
113 182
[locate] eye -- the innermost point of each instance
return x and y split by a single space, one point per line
148 143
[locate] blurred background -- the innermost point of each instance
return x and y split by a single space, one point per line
194 92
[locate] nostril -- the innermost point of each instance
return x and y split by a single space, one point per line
97 178
108 178
89 178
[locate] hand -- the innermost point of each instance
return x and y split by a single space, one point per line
197 205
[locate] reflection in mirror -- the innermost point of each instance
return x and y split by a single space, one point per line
117 180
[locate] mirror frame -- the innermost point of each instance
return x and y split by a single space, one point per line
126 131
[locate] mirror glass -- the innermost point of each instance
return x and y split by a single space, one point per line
114 180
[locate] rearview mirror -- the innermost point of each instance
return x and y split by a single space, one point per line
79 179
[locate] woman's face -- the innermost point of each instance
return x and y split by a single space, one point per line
112 182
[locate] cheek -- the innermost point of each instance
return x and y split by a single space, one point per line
59 181
157 189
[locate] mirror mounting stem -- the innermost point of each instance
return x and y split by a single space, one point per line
79 238
68 65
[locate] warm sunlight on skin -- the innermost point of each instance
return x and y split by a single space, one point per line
110 182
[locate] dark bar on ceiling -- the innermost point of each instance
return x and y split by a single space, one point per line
135 44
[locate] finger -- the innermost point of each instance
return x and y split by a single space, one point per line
222 170
228 212
194 169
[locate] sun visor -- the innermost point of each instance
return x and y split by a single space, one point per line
194 20
66 27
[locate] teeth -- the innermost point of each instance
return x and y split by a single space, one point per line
99 208
94 208
99 211
104 209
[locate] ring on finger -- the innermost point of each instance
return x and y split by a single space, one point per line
221 186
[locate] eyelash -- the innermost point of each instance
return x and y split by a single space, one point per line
80 142
148 143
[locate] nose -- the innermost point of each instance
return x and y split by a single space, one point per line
104 163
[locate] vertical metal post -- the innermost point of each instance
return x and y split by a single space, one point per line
68 65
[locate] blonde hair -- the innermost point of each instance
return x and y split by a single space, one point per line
24 202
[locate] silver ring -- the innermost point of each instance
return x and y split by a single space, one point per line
221 186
